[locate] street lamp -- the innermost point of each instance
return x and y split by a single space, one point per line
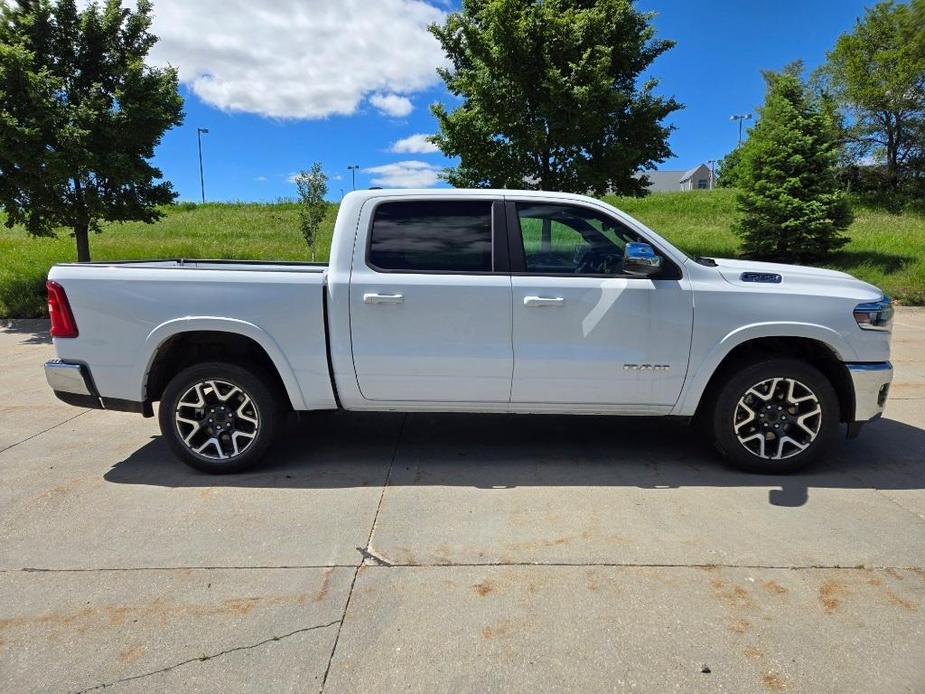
712 163
202 183
740 118
353 174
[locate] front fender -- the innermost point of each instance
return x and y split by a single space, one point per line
700 374
157 337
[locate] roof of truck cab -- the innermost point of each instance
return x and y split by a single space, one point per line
463 193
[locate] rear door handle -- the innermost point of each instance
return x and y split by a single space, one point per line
544 301
383 298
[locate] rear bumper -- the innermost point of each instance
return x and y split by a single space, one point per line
72 383
871 382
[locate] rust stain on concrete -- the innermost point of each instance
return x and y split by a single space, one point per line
896 599
130 655
325 586
774 682
500 630
830 595
483 588
158 610
773 587
740 626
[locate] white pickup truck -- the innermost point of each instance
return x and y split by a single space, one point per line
476 301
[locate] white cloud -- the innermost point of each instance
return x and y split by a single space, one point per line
261 178
300 58
392 104
414 144
404 174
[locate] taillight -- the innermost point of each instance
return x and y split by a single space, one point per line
59 310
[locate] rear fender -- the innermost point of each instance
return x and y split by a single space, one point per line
157 337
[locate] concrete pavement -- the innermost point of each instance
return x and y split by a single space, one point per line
455 552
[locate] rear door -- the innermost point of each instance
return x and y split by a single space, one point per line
584 331
430 301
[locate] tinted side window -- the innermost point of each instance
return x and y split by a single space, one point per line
441 235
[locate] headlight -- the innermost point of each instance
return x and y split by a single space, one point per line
876 315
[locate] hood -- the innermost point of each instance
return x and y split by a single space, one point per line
797 279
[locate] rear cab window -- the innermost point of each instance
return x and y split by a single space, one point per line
446 236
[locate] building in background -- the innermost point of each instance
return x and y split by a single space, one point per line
698 178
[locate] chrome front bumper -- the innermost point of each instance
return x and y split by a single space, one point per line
871 388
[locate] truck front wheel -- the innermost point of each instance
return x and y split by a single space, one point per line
775 416
219 417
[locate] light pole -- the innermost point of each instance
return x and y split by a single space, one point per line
712 163
202 181
740 118
353 174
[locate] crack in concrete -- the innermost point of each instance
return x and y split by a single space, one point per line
204 658
366 551
45 431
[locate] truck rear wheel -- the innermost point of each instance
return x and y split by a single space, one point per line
219 417
775 416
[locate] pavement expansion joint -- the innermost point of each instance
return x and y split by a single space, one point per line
372 559
365 553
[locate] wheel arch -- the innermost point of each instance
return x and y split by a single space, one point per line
182 342
824 348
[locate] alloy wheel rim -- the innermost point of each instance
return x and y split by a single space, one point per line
777 418
217 419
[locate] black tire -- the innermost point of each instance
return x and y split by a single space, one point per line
251 440
759 410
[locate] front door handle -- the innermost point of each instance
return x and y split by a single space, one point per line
383 298
544 301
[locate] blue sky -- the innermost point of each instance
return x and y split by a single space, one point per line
271 110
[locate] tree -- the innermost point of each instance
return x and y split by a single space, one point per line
876 74
790 203
80 116
550 95
728 174
313 186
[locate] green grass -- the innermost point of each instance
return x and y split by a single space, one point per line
886 249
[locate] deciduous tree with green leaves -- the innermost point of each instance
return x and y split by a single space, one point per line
313 186
876 75
80 116
551 95
789 200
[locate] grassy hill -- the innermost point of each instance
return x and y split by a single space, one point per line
886 249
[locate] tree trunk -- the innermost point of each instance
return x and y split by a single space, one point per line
82 236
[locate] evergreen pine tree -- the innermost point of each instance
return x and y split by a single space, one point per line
791 207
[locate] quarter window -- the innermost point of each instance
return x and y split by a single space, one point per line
432 236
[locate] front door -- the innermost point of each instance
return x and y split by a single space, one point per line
430 307
584 331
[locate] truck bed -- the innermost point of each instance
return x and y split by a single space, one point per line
127 311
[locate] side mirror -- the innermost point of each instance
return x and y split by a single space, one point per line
639 260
